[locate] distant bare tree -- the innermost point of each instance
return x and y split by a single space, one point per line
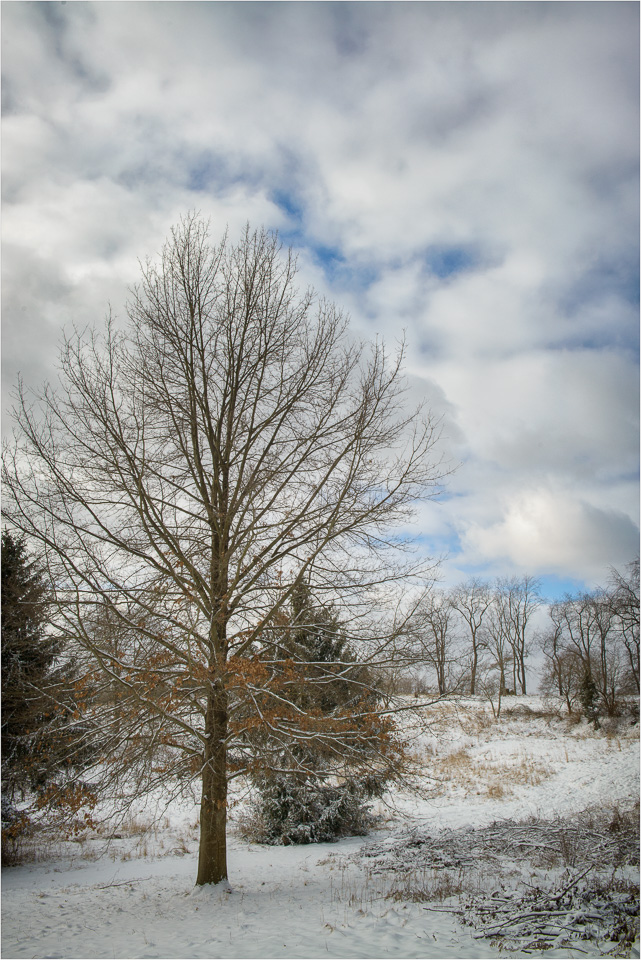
588 625
498 640
608 671
520 598
472 600
562 673
624 596
435 641
193 471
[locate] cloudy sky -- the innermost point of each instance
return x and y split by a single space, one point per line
464 172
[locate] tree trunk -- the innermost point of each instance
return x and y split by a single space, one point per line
212 855
475 658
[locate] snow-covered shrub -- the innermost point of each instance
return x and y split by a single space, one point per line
289 810
589 698
15 827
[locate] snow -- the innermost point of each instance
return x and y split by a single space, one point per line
135 896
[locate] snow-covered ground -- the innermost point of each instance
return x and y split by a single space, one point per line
451 841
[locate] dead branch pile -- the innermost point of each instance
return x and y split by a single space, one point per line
607 838
575 908
532 885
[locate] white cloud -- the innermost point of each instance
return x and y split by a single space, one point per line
387 132
551 531
574 413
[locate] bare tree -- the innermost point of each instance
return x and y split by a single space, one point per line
434 641
191 472
624 596
562 673
498 641
472 600
608 672
588 624
520 600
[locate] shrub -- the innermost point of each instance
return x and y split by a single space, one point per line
289 810
16 827
589 697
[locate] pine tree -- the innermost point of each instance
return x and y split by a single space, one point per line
321 651
589 697
308 796
36 685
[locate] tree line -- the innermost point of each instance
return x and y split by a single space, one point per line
591 646
477 638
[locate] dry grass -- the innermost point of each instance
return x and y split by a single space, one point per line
522 711
473 767
152 836
138 827
494 779
30 849
432 886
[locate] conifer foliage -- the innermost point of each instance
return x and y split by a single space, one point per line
30 677
38 699
308 795
316 641
295 810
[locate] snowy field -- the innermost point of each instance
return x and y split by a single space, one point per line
514 839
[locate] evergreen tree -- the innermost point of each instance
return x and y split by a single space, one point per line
318 645
589 697
36 685
316 629
309 795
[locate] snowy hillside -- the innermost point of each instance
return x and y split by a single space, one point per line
513 835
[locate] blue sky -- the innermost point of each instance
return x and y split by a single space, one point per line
463 174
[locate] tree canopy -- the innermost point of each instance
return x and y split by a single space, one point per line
196 467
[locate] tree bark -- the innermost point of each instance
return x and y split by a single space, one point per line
474 667
212 857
